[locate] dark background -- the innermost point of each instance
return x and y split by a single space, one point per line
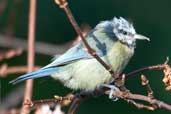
151 18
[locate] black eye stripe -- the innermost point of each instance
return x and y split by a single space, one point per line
123 32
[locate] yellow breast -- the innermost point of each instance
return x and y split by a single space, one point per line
119 56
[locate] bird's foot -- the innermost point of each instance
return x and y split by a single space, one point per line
112 88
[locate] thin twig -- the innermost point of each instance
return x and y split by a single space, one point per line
166 70
140 106
41 47
145 82
63 101
122 95
64 5
30 58
10 54
129 97
148 68
5 70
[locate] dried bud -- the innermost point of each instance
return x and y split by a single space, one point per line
167 77
61 3
28 102
168 88
123 79
151 108
66 102
69 100
58 97
165 80
144 80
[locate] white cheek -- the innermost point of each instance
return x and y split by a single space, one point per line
129 41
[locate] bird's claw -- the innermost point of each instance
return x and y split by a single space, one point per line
112 88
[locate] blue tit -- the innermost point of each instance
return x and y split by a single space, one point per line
113 40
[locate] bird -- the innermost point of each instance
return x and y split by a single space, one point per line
114 41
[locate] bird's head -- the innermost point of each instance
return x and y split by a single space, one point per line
123 30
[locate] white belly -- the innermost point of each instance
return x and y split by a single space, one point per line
85 75
88 74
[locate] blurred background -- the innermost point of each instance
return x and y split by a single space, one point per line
151 18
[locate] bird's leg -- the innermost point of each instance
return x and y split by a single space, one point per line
112 88
117 84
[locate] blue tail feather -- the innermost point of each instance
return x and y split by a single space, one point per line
36 74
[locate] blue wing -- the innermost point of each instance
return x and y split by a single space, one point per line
75 53
79 51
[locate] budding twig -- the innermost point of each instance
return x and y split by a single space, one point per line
164 67
63 101
140 106
145 82
129 97
154 67
157 103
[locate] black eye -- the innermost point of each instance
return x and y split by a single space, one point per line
124 32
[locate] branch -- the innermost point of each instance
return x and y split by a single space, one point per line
164 66
139 105
145 82
63 101
125 95
64 5
129 97
40 47
5 70
166 70
31 54
10 54
159 104
148 68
